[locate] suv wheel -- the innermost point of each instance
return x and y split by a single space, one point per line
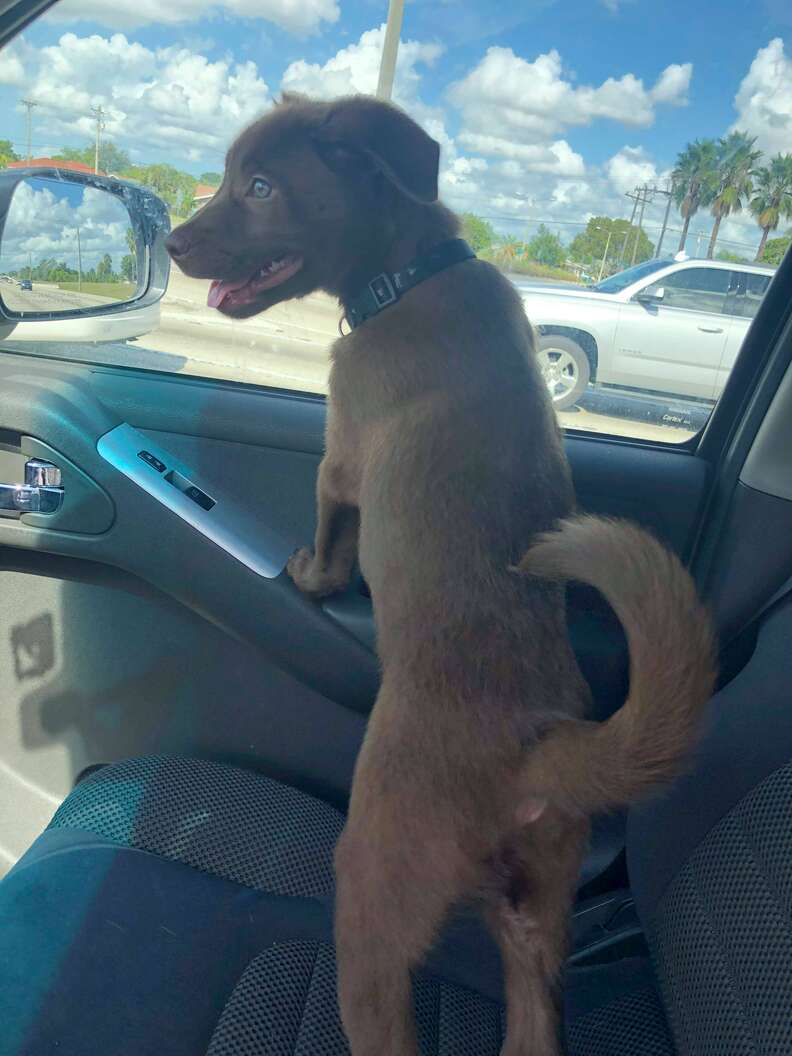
565 368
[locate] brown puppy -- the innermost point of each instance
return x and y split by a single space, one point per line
443 465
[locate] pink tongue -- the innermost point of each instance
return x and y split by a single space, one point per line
219 290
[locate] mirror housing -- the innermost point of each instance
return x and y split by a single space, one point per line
656 296
83 308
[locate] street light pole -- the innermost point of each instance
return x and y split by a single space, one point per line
29 104
644 191
390 49
605 255
79 262
98 113
634 196
669 193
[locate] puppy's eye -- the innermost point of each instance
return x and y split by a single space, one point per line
260 188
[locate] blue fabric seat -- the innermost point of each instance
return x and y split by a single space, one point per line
177 906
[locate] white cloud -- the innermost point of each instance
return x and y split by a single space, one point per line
527 102
297 16
171 99
630 168
557 157
673 84
355 68
764 99
12 72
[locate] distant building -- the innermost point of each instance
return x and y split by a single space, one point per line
51 163
203 194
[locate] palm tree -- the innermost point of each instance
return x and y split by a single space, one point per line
736 166
772 199
693 179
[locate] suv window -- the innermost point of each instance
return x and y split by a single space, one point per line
697 289
575 176
753 287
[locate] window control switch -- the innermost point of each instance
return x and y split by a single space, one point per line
152 460
200 497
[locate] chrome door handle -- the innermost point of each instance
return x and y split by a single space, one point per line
711 329
42 491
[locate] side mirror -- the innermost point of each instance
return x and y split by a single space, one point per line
81 251
651 295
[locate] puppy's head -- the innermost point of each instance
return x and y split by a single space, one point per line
307 193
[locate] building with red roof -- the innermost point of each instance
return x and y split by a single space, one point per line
51 163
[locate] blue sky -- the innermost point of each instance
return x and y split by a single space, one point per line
559 105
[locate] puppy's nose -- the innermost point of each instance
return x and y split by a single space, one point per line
178 244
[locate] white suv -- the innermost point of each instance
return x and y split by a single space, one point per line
665 326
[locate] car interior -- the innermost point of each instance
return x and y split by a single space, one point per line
179 727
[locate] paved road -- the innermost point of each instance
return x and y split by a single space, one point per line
287 347
45 297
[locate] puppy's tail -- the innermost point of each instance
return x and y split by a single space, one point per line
593 767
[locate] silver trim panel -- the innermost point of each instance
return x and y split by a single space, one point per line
227 523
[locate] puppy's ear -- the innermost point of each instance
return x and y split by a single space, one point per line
391 141
287 98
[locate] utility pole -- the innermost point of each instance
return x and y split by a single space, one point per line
29 104
390 49
98 113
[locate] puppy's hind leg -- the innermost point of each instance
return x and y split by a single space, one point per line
527 909
395 881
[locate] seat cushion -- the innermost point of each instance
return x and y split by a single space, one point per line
220 819
180 907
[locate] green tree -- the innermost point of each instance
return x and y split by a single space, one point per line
480 234
104 269
176 188
772 200
736 165
608 241
693 180
212 179
129 267
546 248
731 258
111 158
7 153
776 248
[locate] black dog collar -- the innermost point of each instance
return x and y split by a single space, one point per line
386 289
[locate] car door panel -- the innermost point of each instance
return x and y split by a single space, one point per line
263 449
666 349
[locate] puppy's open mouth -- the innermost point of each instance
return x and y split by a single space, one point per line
224 294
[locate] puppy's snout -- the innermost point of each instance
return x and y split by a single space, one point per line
178 244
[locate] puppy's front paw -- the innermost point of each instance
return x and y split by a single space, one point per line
308 578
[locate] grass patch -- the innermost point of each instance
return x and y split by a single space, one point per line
521 266
118 291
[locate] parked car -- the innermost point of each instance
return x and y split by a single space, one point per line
25 284
665 326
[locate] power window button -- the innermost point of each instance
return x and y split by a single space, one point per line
199 497
152 460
